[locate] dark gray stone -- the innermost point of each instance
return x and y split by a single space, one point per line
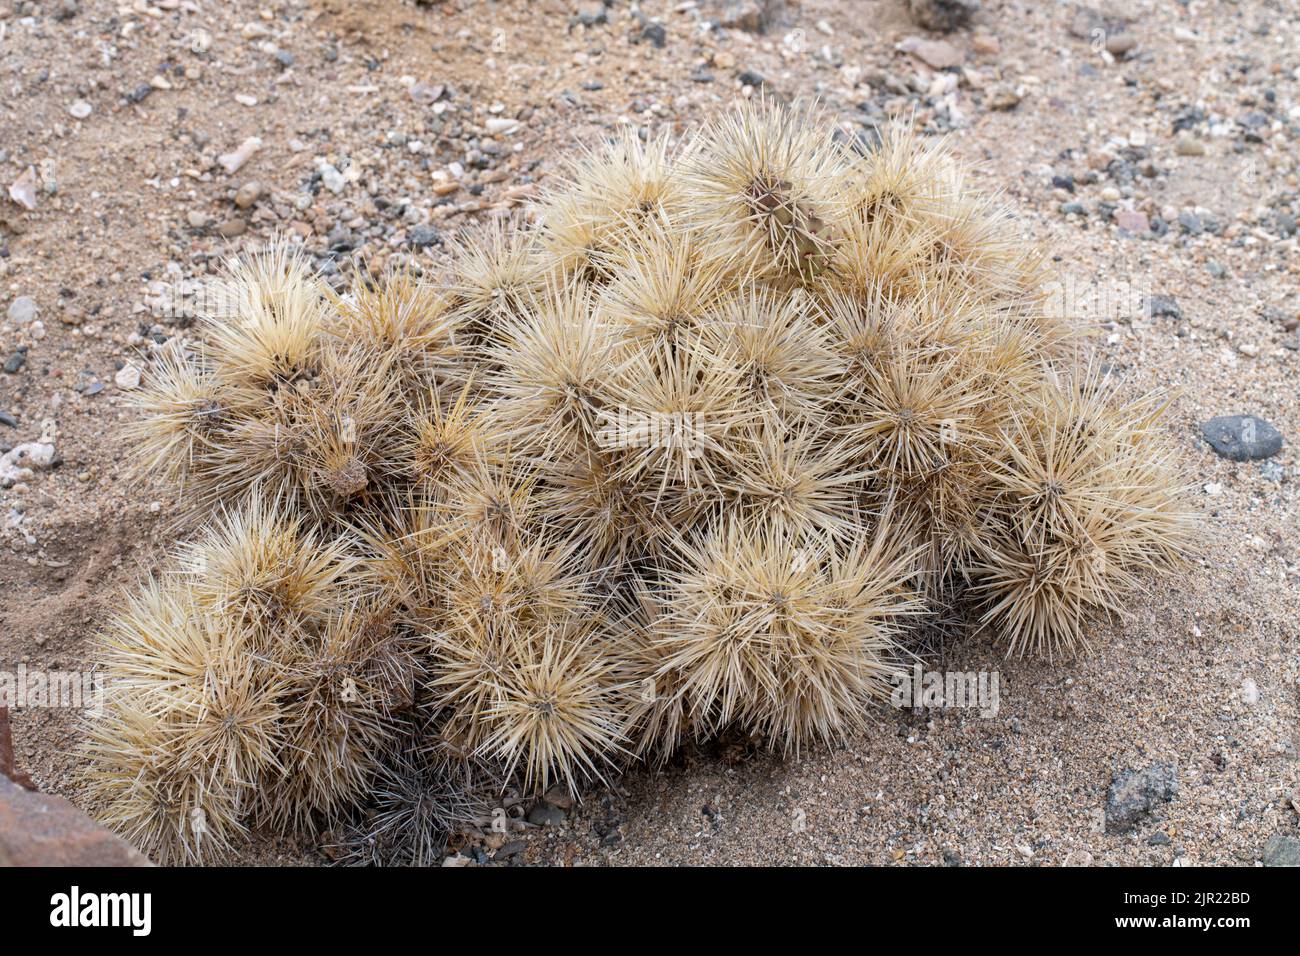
544 814
1241 437
655 34
1281 851
423 236
509 849
341 239
942 15
1135 793
1159 306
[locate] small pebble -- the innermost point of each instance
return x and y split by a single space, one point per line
1249 692
331 178
1188 145
127 377
248 194
232 228
1120 44
22 310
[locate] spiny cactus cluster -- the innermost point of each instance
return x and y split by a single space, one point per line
697 452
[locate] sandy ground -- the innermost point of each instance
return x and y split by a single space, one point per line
390 102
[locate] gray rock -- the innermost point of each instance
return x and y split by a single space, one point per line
1272 471
341 239
510 849
22 310
544 814
1190 223
1241 437
1163 306
1135 793
422 236
1281 851
14 363
655 34
942 15
1159 838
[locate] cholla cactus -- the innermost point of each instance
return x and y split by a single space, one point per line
692 455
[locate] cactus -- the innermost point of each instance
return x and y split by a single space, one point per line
692 455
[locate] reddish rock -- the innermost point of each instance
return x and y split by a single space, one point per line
985 43
936 54
8 766
37 829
